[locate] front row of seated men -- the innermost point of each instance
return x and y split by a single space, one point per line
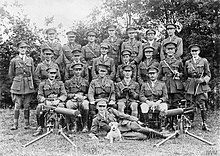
74 91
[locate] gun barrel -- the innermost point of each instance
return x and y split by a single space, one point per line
66 111
173 112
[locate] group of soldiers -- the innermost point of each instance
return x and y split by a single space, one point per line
104 81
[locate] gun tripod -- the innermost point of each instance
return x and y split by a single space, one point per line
183 124
53 125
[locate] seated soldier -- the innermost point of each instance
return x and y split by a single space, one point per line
76 58
102 87
104 59
127 92
50 92
153 95
77 89
41 70
126 55
100 124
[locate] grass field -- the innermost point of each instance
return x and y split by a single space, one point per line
55 145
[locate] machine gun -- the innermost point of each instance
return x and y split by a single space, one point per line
52 117
183 124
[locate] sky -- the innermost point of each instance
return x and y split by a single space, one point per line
64 11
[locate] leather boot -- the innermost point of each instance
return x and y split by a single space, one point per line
204 125
39 131
145 119
26 118
16 117
85 121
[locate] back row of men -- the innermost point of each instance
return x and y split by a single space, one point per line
137 75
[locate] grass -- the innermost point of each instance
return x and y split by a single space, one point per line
55 145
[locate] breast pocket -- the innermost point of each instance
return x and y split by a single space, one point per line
16 85
108 88
30 82
200 68
98 90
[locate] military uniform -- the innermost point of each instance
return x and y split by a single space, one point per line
173 81
196 92
68 48
101 88
136 50
127 96
21 72
115 47
77 89
41 73
128 125
107 61
119 73
142 70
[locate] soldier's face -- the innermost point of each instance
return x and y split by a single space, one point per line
131 34
153 75
52 74
127 73
71 38
102 72
111 32
126 58
171 30
76 58
77 72
148 54
150 36
51 35
48 55
101 108
195 52
170 49
91 38
22 50
104 50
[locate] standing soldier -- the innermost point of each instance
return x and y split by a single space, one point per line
171 72
147 61
69 47
77 89
127 92
153 95
41 73
198 75
152 42
51 41
104 59
134 45
50 92
76 58
171 28
101 88
91 50
115 44
126 55
21 71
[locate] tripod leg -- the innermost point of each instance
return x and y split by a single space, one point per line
40 137
68 139
163 141
201 139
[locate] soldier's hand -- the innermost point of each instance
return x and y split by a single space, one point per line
111 102
56 102
200 80
133 62
140 123
94 138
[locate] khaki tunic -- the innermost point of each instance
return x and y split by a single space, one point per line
108 61
89 53
68 48
136 50
142 75
156 46
194 71
158 92
166 75
101 88
48 90
41 71
21 73
176 40
114 52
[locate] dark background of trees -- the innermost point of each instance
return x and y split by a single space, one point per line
200 20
